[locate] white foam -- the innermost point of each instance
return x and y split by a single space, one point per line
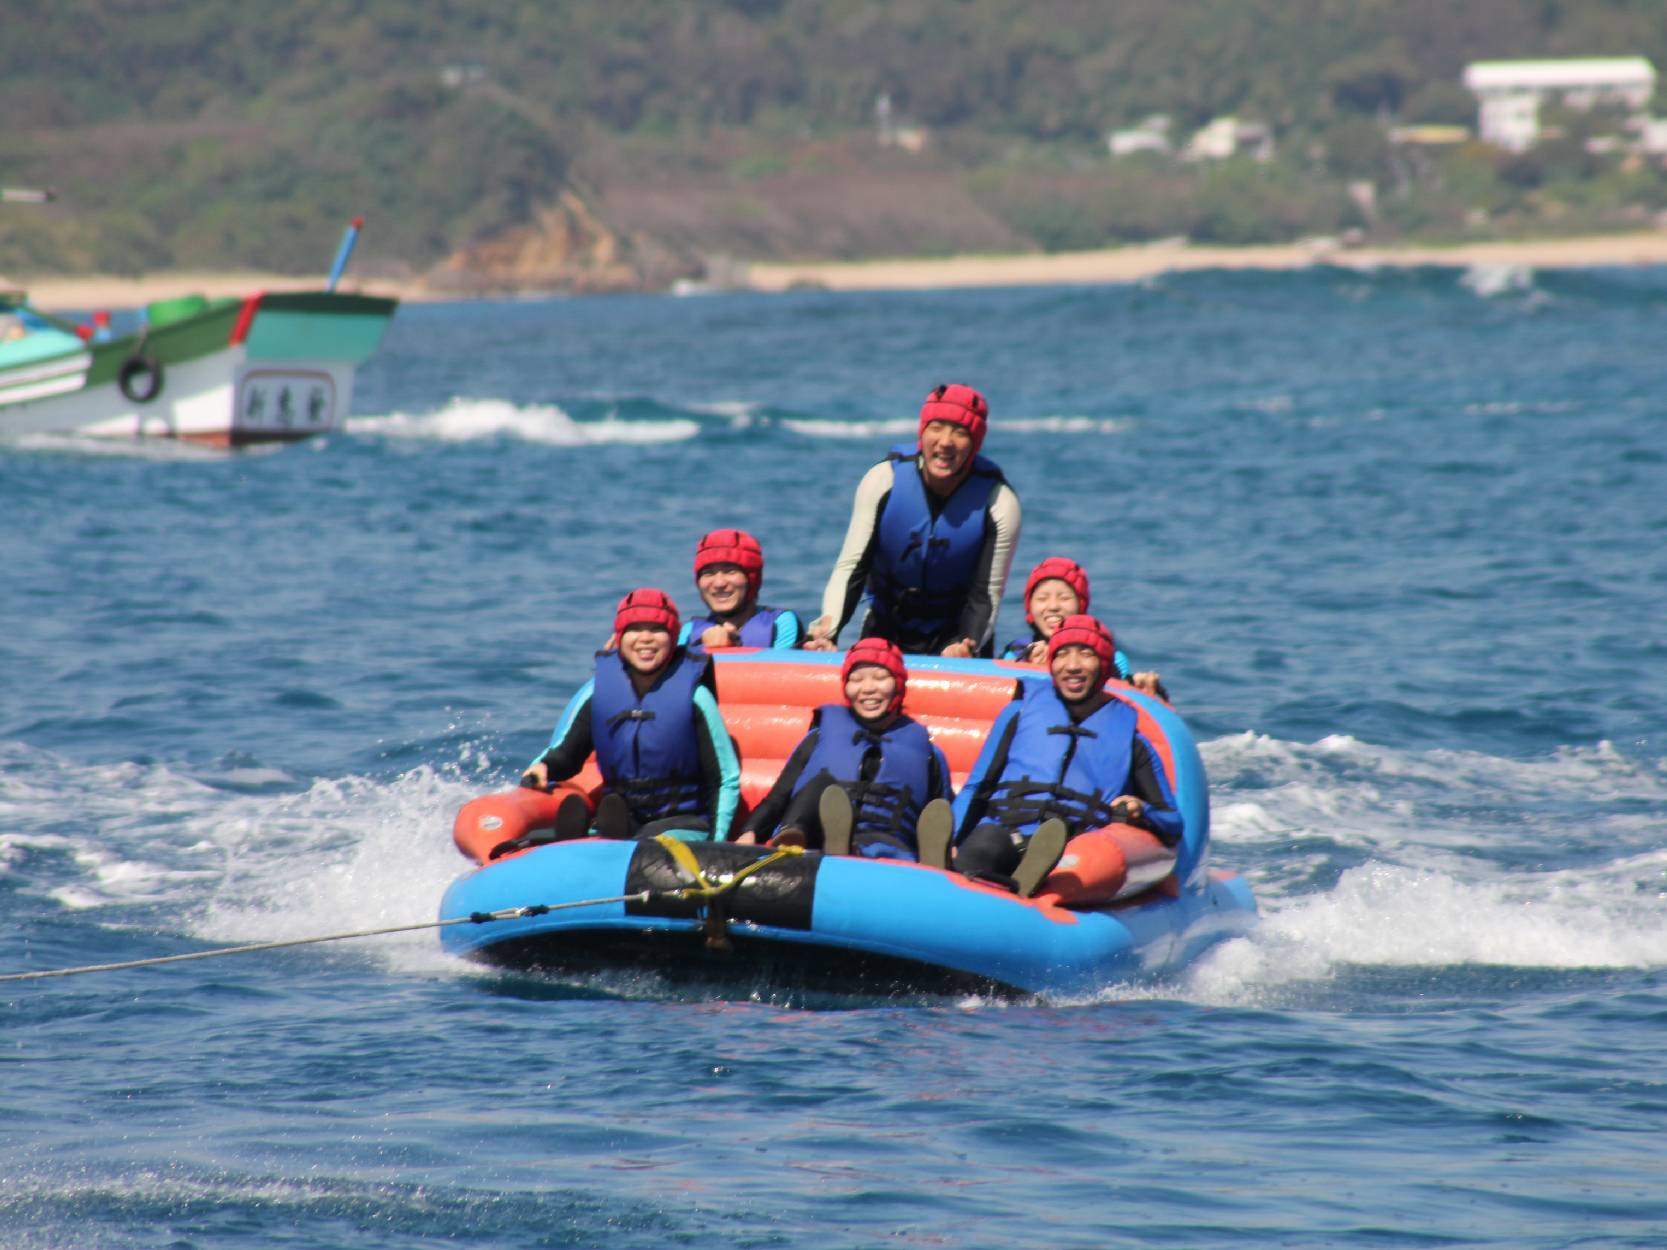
354 852
741 411
344 854
1489 281
906 427
828 428
471 420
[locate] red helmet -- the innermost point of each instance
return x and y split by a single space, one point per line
959 405
1067 571
1083 630
647 607
879 652
735 547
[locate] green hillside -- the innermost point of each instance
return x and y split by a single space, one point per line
218 134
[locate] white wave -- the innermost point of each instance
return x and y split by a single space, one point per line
1068 425
469 420
1361 794
1435 889
345 854
1489 281
1610 916
905 427
734 409
828 428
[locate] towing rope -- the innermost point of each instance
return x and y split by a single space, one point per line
683 859
474 917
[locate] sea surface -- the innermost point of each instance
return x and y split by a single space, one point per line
1397 542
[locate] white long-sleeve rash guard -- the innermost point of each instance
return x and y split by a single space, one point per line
978 618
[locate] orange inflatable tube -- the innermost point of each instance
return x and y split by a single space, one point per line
1102 865
493 818
767 708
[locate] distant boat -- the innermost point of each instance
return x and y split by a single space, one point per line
270 367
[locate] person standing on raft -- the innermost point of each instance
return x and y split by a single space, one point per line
932 534
865 779
651 717
1063 758
729 569
1058 588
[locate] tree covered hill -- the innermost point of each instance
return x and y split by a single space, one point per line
632 139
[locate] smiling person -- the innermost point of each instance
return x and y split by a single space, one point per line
1063 758
865 779
729 569
1056 589
931 538
651 717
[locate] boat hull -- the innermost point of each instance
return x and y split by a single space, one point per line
271 368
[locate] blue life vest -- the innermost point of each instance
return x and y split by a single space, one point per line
1018 647
1057 768
759 631
891 800
923 566
648 748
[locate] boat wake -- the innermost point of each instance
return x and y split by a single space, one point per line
1363 858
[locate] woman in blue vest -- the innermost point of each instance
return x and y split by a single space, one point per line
651 718
1057 588
932 534
729 569
1063 758
865 779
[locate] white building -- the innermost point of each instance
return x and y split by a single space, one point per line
1509 93
1151 135
1228 136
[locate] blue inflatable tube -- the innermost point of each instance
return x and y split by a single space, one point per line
863 925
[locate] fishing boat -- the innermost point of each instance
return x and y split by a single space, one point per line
1119 907
268 367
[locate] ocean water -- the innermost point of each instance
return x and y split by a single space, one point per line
1395 540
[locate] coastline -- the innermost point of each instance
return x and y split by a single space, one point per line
1131 264
87 292
1109 265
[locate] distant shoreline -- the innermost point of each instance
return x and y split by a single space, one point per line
1110 265
1129 264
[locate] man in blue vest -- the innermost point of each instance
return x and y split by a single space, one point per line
1062 758
651 718
865 779
729 570
932 534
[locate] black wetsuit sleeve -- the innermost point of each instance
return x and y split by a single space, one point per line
711 770
568 756
983 785
1145 786
773 806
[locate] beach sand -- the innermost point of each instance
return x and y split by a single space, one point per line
1126 264
1130 264
90 292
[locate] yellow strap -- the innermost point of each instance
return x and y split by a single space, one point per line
699 887
683 858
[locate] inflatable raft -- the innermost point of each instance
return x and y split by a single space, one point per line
1119 907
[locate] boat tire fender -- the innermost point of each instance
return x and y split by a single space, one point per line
140 378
